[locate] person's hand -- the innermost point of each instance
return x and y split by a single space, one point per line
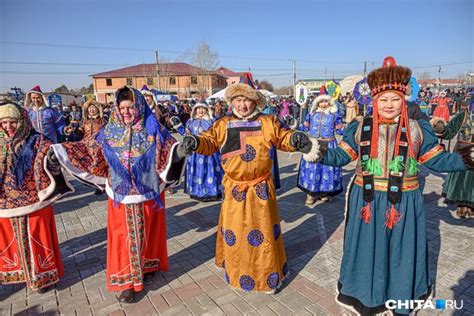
51 156
68 130
189 145
175 121
301 142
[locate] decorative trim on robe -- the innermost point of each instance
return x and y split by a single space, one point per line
430 154
348 150
44 196
81 176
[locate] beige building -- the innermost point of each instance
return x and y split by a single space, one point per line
180 79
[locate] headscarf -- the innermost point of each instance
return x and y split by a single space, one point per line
17 153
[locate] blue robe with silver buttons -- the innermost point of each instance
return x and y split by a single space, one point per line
203 173
316 178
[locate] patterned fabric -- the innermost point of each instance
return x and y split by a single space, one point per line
22 171
249 239
203 173
316 178
30 250
136 244
47 121
370 247
133 151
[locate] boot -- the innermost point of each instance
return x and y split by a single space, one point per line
127 296
310 200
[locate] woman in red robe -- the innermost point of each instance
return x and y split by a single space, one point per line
134 158
29 184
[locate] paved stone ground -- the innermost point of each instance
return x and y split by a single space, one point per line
193 285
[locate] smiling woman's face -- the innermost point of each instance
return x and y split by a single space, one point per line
389 105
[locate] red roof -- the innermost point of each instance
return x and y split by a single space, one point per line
228 73
144 70
436 81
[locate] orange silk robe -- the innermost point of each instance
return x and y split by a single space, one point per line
249 240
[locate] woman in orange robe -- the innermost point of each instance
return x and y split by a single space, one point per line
29 184
132 157
249 240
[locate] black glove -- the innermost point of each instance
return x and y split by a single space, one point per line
439 127
175 121
51 156
301 142
190 144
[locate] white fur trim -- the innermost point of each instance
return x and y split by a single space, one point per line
129 199
314 154
319 99
43 196
28 99
208 116
248 118
78 174
164 173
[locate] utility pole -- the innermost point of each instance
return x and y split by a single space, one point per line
294 77
157 70
439 78
365 67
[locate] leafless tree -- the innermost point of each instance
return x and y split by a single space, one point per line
207 61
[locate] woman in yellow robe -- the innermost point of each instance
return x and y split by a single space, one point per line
249 240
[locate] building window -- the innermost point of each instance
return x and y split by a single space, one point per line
172 80
194 80
108 82
149 81
129 81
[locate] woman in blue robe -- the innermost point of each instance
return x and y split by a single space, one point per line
203 173
323 122
385 253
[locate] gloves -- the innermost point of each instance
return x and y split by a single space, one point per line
301 142
188 146
174 121
52 157
439 127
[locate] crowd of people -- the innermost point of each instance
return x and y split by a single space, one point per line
229 153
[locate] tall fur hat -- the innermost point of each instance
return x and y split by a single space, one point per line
389 77
242 89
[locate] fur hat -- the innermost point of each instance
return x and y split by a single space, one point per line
9 110
323 97
201 104
242 89
389 77
85 108
35 90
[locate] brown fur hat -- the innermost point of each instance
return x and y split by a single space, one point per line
389 77
85 107
242 89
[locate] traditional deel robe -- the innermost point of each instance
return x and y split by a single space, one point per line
442 108
29 184
135 163
458 186
316 178
46 120
203 180
381 263
249 242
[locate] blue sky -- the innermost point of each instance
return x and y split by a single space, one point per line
263 35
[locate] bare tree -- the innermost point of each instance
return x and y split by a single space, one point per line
207 61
